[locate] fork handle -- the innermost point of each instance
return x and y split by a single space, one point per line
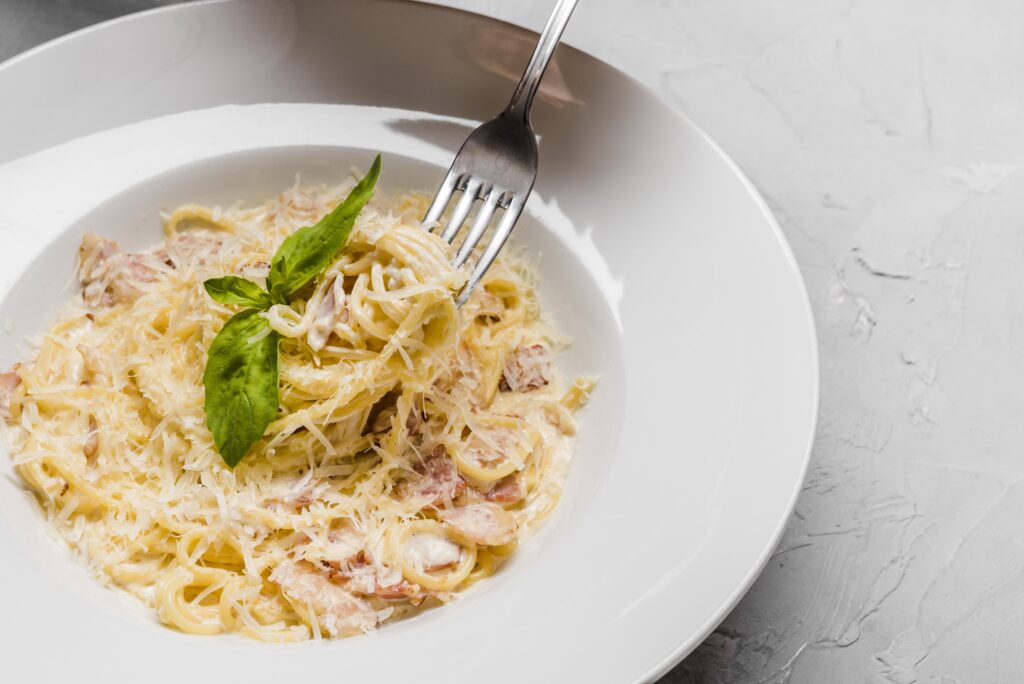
522 98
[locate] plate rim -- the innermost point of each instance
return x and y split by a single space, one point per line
688 644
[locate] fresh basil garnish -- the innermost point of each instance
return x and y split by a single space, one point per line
237 291
308 251
241 380
241 376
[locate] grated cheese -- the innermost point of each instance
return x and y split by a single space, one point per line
336 521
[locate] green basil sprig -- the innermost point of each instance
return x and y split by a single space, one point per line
241 376
308 251
237 291
241 382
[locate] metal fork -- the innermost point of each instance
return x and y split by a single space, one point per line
497 164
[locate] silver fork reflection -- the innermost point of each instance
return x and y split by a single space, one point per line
497 164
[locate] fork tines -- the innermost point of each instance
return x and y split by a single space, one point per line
493 198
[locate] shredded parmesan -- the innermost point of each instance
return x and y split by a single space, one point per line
402 461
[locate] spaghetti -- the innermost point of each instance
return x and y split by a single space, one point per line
415 446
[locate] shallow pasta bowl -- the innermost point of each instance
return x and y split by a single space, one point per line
656 255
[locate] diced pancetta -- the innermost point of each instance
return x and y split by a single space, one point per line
360 575
196 246
439 481
527 368
508 489
483 523
8 385
492 445
93 253
337 610
474 372
109 276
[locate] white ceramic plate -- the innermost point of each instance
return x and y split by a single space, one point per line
658 257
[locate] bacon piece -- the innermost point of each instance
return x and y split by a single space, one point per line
359 575
8 385
439 480
400 590
196 246
413 422
508 489
130 269
496 445
527 368
468 375
93 253
351 564
109 276
337 610
483 523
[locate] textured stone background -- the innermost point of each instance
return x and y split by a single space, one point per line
887 138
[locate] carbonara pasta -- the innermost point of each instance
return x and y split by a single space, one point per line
416 443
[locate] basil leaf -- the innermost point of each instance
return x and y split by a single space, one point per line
241 376
308 251
239 291
241 384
